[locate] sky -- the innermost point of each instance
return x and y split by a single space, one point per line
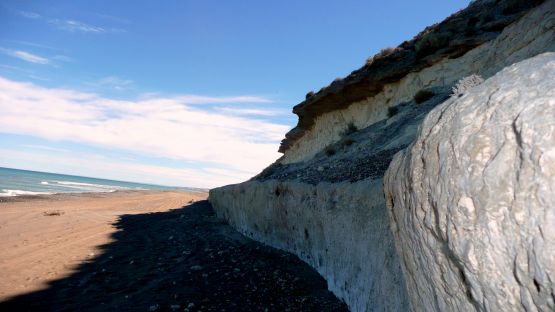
193 93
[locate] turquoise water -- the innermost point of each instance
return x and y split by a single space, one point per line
15 182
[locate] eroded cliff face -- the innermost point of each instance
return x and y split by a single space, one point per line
340 229
472 200
529 35
324 200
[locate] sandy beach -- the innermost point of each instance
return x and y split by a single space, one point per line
39 246
143 251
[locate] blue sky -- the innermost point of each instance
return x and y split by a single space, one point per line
187 93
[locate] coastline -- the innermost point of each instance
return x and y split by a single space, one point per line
86 194
45 237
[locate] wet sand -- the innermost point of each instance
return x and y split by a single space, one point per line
143 251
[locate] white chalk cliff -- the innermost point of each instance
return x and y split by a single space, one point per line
405 198
472 200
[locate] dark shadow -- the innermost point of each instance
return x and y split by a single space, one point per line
183 260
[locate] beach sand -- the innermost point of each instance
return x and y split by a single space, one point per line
143 251
38 247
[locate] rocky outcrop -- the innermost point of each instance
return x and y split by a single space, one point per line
472 200
324 199
363 98
340 229
330 210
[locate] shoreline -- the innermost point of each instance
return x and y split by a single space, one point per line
85 194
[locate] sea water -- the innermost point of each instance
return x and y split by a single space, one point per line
15 182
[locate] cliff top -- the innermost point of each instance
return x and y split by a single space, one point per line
480 22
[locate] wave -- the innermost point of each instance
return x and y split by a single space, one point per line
91 187
12 193
77 183
44 182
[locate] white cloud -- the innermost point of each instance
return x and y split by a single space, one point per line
32 58
157 126
26 56
98 166
77 26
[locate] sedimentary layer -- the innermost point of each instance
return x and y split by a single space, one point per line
324 200
364 97
339 229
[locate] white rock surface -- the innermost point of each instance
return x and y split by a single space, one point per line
341 229
533 34
472 201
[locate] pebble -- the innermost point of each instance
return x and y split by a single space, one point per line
196 268
154 308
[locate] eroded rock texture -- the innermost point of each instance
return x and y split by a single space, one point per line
480 22
340 229
472 200
364 97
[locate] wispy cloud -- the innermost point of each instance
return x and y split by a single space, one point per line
199 99
29 57
252 111
45 147
73 25
62 58
77 26
167 127
31 44
29 73
112 82
111 18
26 56
12 68
29 14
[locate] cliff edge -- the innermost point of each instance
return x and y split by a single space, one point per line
424 180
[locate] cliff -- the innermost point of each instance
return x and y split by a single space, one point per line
437 228
472 201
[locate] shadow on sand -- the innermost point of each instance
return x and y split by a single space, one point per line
183 260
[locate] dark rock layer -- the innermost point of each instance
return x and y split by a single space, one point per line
480 22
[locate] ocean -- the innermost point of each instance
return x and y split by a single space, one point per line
16 182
